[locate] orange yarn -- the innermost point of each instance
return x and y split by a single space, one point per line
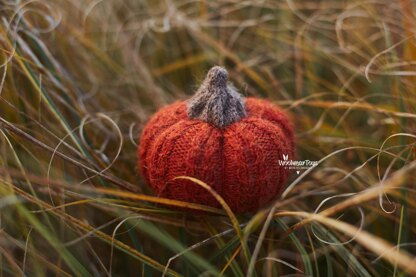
239 161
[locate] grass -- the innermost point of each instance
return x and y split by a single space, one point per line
79 79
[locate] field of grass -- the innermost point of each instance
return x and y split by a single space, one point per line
79 79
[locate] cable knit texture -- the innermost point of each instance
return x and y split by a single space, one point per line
230 143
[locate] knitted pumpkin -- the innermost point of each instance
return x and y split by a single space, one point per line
230 143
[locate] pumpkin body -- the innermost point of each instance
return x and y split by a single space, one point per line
239 161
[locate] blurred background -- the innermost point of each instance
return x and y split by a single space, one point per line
79 79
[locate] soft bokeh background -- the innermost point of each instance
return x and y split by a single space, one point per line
79 79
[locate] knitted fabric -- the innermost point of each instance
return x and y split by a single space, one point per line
216 101
238 159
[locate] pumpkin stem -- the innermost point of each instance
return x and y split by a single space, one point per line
217 101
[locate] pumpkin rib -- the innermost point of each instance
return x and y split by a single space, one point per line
249 159
222 159
272 138
152 128
255 199
186 190
152 141
270 184
231 191
265 110
161 144
202 151
175 144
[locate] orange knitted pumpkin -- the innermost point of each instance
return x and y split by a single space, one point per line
230 143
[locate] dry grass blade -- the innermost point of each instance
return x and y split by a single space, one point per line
393 183
371 242
159 200
77 223
9 126
227 209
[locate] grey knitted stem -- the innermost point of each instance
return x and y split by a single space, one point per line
217 101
